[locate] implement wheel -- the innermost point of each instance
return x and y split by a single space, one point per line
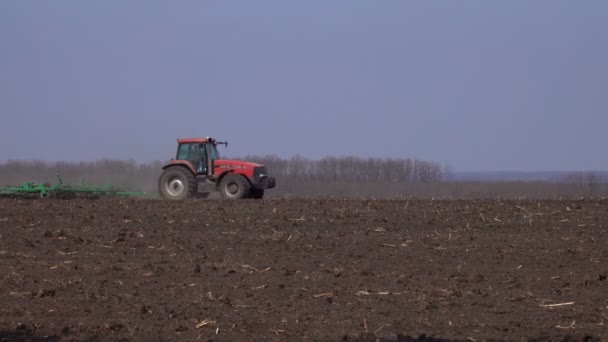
177 183
234 187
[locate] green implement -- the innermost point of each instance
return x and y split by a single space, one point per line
59 189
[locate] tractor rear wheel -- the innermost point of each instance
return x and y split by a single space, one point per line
256 193
234 187
177 183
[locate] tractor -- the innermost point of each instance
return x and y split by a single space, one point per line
198 171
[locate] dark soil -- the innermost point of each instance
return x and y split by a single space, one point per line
323 270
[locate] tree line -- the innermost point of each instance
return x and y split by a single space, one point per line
329 176
296 169
352 169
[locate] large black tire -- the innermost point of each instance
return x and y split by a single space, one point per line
234 187
256 193
177 183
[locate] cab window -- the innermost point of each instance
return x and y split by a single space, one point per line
183 151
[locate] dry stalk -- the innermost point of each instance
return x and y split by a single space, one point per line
204 323
379 293
326 294
571 326
380 328
556 305
255 269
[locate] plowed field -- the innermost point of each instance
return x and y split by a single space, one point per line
303 269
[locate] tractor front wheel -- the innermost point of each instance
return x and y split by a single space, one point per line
177 183
234 187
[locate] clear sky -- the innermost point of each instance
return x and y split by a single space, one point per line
478 85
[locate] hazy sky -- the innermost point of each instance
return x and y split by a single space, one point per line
478 85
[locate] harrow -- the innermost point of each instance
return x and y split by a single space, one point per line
61 190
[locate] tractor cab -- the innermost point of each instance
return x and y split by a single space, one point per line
199 153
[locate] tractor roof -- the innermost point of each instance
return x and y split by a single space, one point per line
194 140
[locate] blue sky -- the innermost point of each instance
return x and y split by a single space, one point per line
477 85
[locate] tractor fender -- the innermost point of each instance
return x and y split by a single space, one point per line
181 163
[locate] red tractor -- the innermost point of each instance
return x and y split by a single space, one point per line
197 170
